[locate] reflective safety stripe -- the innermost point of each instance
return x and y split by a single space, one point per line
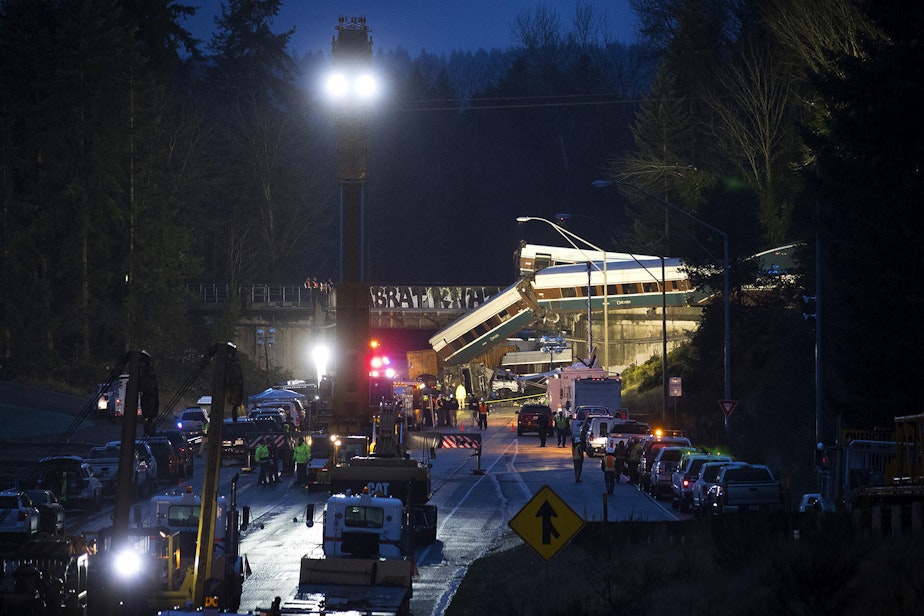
458 441
277 440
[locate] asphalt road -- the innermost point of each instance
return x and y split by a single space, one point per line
477 499
475 510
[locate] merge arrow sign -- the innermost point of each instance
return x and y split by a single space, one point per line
546 523
546 512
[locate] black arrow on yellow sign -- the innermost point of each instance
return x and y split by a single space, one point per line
546 522
546 512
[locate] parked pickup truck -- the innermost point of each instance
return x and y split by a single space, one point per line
193 421
104 463
750 487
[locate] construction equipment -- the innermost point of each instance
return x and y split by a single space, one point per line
144 570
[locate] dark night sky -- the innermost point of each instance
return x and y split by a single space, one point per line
415 25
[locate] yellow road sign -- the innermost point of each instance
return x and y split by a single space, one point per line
546 523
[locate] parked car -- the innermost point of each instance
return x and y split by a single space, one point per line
17 515
528 417
293 411
706 479
51 513
147 457
663 467
71 480
104 462
745 488
274 414
685 476
168 463
193 420
183 448
650 448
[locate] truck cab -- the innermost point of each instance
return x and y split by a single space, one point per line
179 512
365 526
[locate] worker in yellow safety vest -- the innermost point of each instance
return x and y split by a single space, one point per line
261 456
301 455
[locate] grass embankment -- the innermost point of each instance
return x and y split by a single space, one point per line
746 565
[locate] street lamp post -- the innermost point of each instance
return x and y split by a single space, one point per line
725 300
568 235
663 284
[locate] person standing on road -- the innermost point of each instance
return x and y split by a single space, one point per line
473 408
543 421
272 474
608 466
620 453
633 457
301 455
577 457
261 458
440 411
483 415
452 411
561 428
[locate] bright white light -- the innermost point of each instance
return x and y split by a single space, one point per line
320 354
343 86
366 86
127 563
337 85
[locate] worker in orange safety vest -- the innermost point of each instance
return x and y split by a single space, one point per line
608 466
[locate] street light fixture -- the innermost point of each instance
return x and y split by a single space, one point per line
663 284
568 235
725 302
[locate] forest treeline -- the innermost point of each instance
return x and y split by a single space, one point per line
135 159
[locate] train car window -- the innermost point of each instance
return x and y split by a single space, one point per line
569 292
542 261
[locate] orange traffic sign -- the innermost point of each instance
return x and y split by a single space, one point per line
546 523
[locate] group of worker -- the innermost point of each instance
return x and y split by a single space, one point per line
266 457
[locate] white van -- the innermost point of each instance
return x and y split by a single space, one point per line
603 430
581 415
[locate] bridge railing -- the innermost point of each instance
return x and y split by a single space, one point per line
279 295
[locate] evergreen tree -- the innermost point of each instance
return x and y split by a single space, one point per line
870 161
